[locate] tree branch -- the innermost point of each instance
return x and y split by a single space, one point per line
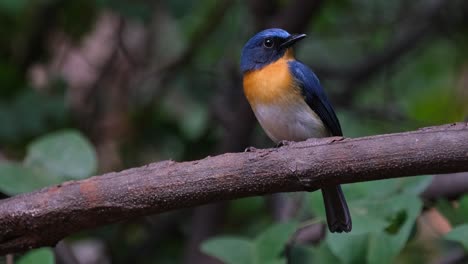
44 217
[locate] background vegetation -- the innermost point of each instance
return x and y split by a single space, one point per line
95 86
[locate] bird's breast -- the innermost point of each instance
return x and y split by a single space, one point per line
270 84
295 122
279 105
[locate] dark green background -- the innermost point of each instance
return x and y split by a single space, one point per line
165 85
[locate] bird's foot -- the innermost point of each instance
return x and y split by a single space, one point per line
283 143
250 149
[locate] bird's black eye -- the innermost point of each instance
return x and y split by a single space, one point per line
268 43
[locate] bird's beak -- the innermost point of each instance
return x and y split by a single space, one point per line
292 39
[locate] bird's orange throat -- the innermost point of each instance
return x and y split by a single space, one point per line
271 84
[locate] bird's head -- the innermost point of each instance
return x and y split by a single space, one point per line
266 47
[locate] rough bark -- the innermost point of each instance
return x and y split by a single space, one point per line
44 217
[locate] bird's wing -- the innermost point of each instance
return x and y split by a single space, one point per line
315 96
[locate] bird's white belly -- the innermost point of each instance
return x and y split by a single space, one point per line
295 122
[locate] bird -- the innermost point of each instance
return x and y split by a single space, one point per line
290 104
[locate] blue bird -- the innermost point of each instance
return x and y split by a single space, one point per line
290 104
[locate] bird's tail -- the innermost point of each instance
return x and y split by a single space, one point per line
338 217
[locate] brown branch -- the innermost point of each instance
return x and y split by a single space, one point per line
44 217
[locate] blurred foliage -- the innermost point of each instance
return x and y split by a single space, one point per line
456 215
47 137
384 214
51 159
268 247
28 114
41 255
132 9
459 234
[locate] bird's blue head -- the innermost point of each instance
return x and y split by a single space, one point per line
266 47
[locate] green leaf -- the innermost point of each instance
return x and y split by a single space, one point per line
38 256
271 243
384 246
456 215
372 189
323 254
316 205
386 188
267 248
230 250
415 185
380 249
459 234
15 178
348 248
301 254
381 228
367 201
365 219
65 153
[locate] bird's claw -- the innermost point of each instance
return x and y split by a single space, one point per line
250 149
282 143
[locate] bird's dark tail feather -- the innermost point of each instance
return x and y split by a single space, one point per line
338 217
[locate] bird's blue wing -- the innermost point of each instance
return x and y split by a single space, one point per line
315 96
